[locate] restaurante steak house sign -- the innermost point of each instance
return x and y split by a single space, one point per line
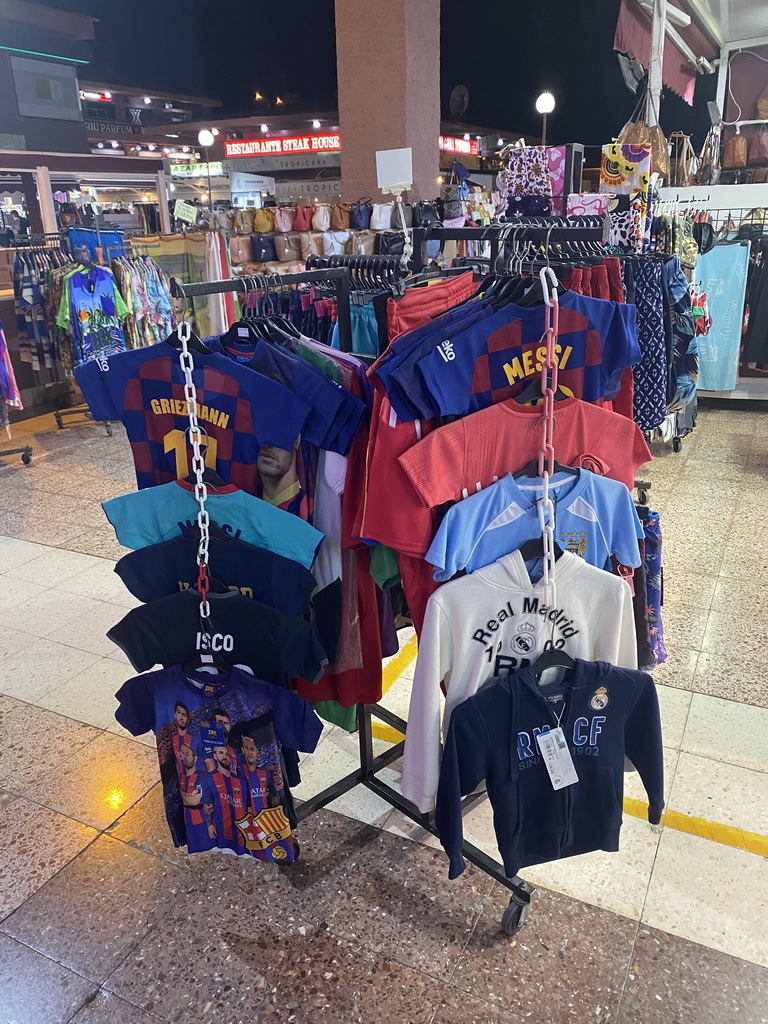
294 144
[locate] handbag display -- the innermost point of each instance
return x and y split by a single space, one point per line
391 243
360 218
397 224
735 153
450 195
311 243
381 216
760 176
335 242
288 246
362 243
340 214
225 220
708 172
758 149
264 220
761 109
640 133
284 216
302 218
239 249
425 214
263 248
243 222
321 218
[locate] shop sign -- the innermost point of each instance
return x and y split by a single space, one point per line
449 144
314 189
185 211
240 182
273 164
292 144
198 170
95 97
109 128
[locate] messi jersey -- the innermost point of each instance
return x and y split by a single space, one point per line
237 409
263 719
495 358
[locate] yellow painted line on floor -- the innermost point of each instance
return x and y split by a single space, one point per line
399 664
727 835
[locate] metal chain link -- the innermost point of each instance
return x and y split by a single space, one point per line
184 332
546 508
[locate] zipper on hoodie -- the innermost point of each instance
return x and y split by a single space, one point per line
566 793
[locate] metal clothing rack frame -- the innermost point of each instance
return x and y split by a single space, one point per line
522 892
538 229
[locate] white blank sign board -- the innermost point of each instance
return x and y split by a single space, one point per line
394 168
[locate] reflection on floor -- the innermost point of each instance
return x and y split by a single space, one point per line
102 920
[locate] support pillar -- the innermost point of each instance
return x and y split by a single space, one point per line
658 38
162 204
45 198
30 198
388 72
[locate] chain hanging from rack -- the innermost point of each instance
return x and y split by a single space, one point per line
184 333
546 506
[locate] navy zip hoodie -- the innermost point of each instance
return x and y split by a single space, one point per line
605 712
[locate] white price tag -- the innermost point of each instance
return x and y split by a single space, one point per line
557 758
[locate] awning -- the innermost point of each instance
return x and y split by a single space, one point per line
633 36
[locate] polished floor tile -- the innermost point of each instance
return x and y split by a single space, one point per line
35 843
12 641
720 792
568 964
100 782
725 631
90 695
712 894
144 826
674 980
46 611
39 664
15 552
679 669
109 1009
87 632
674 705
728 730
34 989
735 674
102 583
36 742
52 566
98 907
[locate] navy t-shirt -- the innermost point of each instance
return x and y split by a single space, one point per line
171 566
276 646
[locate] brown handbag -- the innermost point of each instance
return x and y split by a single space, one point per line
361 243
264 220
288 246
638 133
239 249
762 108
311 243
735 153
340 213
244 221
758 149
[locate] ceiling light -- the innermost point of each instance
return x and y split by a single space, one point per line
258 96
315 123
205 137
467 136
107 95
214 131
170 135
147 100
278 102
186 149
151 146
100 145
499 141
265 127
114 145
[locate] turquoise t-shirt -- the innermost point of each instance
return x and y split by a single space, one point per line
155 514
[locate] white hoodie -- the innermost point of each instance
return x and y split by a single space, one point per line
494 621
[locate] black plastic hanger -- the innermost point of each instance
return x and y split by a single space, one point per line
532 470
212 660
534 548
533 393
214 531
552 658
194 343
210 476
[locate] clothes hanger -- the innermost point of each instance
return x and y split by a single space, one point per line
194 343
205 659
210 477
533 393
552 658
532 470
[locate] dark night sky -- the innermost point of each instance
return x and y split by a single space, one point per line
506 52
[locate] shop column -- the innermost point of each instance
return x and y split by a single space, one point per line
388 71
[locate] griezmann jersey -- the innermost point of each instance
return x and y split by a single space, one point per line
263 719
238 409
494 358
594 517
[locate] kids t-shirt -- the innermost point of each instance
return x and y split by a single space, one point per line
219 743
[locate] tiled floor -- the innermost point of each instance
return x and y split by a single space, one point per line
103 921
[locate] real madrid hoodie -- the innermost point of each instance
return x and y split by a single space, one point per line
494 621
604 712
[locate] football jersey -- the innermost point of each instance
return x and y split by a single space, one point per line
472 452
334 413
238 410
166 568
247 805
160 513
276 646
496 357
594 517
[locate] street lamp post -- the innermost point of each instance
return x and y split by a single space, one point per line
205 138
545 104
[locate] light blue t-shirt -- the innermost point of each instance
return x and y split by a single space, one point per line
595 517
154 514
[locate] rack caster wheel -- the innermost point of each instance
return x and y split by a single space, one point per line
677 444
514 917
26 458
642 497
108 427
59 420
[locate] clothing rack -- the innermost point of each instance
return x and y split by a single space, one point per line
338 275
523 229
522 892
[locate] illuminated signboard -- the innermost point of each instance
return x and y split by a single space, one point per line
94 97
469 147
197 170
294 144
